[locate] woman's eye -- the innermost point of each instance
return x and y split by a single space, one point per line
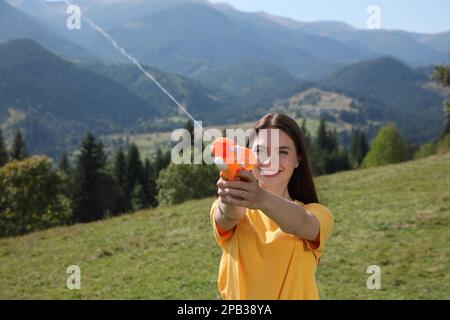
283 152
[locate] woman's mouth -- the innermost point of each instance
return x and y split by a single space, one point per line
269 173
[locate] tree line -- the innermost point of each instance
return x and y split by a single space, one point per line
35 193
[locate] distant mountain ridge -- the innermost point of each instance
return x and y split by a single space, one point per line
14 24
60 100
44 79
238 67
401 89
187 36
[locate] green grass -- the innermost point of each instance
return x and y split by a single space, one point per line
396 217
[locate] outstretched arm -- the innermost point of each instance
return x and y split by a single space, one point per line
291 217
226 215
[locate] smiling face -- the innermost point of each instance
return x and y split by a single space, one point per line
272 173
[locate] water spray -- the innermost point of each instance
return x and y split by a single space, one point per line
229 157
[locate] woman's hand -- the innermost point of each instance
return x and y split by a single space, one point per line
227 214
245 192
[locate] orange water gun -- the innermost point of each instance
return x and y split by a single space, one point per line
232 158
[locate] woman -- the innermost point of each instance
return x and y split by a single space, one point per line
269 223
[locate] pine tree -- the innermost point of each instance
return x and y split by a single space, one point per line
322 140
149 184
162 160
138 198
306 135
327 157
190 127
66 177
121 175
359 147
333 140
342 160
64 164
19 147
92 187
134 171
326 140
336 161
4 158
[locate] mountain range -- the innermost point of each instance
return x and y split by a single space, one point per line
223 65
16 24
55 96
185 36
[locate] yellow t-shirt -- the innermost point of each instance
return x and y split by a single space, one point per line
259 261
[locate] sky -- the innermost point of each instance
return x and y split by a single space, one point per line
427 16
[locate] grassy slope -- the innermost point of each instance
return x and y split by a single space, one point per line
396 216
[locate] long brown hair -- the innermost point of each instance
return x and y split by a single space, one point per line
301 185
